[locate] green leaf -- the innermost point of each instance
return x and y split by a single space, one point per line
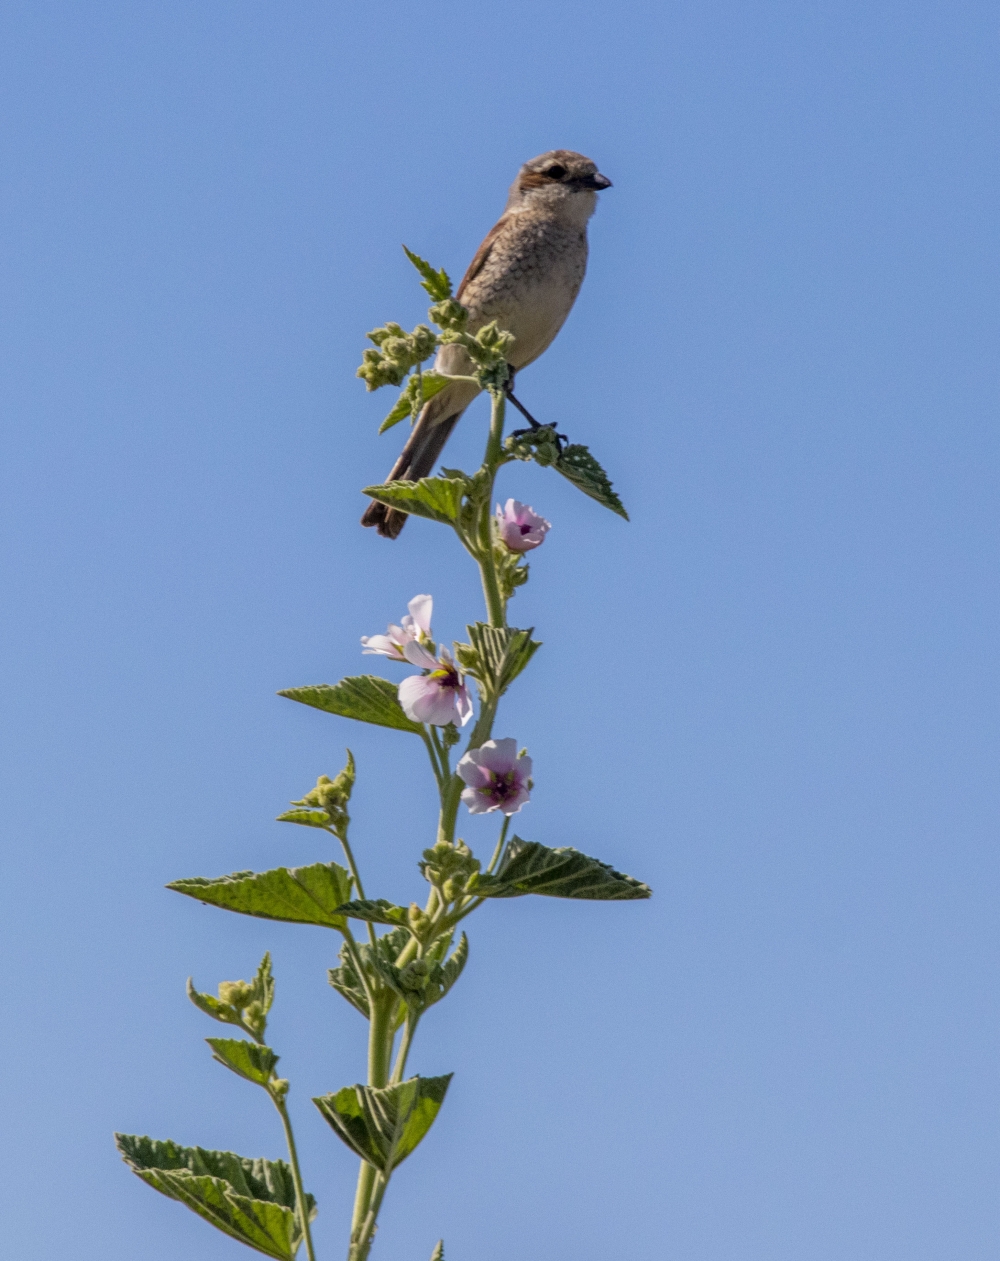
374 912
579 466
428 383
527 867
296 895
436 283
365 697
251 1200
308 818
384 1125
496 655
247 1059
452 969
436 498
347 983
438 1253
212 1006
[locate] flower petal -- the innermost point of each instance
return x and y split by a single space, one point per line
469 769
382 646
463 704
424 700
421 607
477 803
513 804
499 755
417 655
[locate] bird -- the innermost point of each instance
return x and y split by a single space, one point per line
525 275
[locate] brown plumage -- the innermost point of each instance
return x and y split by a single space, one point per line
525 275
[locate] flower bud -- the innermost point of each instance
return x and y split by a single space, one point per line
413 978
449 314
418 921
235 993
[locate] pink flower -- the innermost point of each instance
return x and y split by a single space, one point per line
498 778
439 696
416 628
520 527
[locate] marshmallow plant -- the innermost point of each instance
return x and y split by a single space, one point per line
396 962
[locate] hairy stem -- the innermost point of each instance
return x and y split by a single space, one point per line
495 604
302 1208
380 1040
362 1245
353 866
499 849
409 1029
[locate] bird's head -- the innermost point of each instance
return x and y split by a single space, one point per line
561 181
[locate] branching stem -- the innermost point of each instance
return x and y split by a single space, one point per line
301 1205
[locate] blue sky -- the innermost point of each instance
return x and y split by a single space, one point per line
773 695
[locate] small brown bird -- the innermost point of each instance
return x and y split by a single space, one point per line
525 275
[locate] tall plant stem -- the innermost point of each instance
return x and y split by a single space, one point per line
494 453
360 1249
380 1040
300 1196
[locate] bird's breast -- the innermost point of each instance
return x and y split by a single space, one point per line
529 283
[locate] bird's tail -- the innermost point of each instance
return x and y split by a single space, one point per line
418 459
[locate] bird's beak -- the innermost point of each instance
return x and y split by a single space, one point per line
596 181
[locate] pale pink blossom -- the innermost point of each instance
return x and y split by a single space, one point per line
497 777
416 628
439 696
520 527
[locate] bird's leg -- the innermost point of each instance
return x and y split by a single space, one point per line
508 389
535 426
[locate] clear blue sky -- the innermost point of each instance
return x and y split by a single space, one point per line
773 695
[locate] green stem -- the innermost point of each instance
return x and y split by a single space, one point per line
495 605
362 1245
409 1029
302 1207
499 849
442 755
362 1201
348 854
380 1040
435 765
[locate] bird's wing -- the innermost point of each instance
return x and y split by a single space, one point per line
481 255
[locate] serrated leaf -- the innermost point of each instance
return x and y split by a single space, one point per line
212 1006
308 818
378 911
496 655
579 466
438 1253
527 867
347 983
436 498
452 969
436 283
250 1200
296 895
246 1059
384 1125
364 697
430 383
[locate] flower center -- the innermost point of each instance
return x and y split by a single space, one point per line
446 677
501 787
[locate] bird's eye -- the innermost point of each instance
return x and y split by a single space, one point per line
556 172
